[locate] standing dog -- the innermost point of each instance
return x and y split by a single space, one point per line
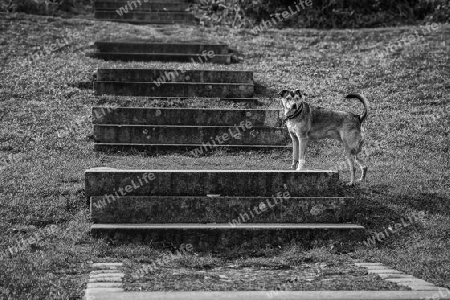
309 123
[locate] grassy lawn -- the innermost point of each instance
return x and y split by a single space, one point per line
45 146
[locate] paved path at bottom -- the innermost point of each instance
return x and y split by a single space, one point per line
105 283
400 278
295 295
105 279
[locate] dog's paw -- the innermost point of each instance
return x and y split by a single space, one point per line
350 183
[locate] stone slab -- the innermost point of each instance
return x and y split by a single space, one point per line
107 275
106 265
93 293
422 287
145 17
409 280
204 136
369 265
104 285
175 89
242 183
104 272
276 209
185 116
174 75
384 271
178 57
392 276
258 295
217 237
154 47
105 279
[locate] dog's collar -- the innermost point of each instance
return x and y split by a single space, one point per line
295 113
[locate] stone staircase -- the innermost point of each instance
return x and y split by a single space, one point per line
183 128
215 209
153 51
143 11
210 209
159 83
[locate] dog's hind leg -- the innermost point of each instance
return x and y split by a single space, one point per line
351 164
362 166
294 150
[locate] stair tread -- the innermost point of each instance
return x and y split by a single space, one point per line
185 126
159 43
108 108
224 197
179 82
228 226
112 170
156 53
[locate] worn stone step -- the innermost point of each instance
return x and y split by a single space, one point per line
184 116
179 57
231 183
215 237
145 17
279 208
162 75
165 48
207 136
140 5
175 89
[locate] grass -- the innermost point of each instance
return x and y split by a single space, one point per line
45 145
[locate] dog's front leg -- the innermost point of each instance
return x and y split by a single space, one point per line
303 144
294 150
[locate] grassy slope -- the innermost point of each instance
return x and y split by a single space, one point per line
46 120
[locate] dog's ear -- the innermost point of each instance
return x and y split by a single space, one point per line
283 93
299 93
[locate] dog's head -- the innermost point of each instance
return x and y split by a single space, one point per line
291 100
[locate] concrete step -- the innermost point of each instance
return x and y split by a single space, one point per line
141 5
166 48
226 183
175 89
185 116
280 208
198 135
215 237
145 17
179 57
162 75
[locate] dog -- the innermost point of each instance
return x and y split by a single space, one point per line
307 123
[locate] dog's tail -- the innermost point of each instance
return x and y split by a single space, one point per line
364 102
